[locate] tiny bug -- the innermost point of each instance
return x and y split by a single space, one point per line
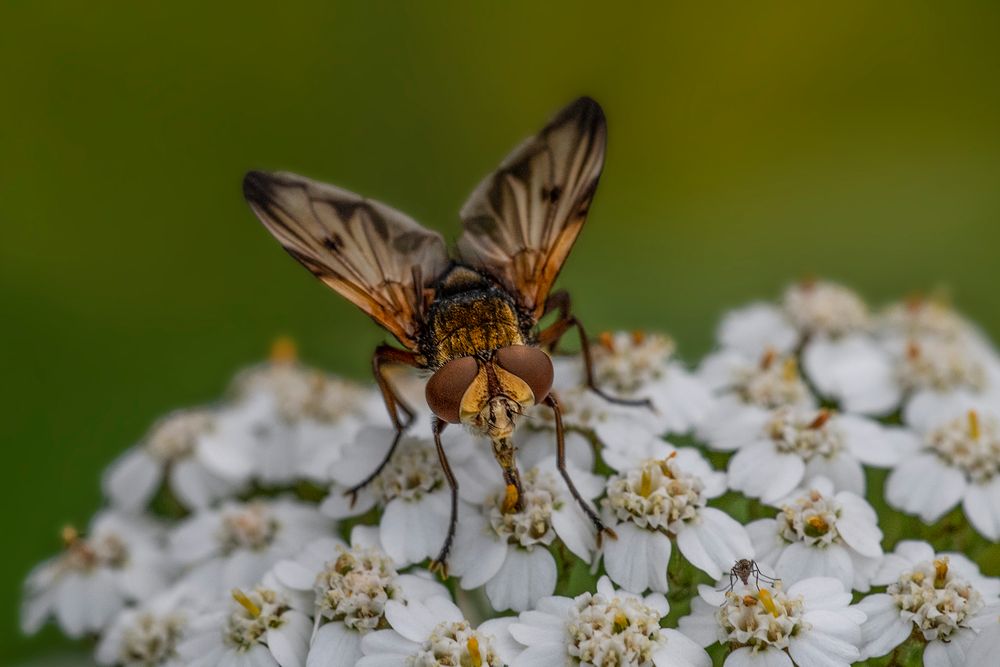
742 570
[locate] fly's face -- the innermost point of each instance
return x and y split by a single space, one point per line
489 393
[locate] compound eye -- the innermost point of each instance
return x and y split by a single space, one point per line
446 387
530 364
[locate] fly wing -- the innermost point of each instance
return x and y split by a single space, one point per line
381 260
521 221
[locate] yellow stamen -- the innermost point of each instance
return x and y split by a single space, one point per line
790 370
606 340
818 524
69 535
767 359
768 602
621 623
284 350
974 425
940 572
918 577
472 646
510 499
645 483
815 496
749 600
246 602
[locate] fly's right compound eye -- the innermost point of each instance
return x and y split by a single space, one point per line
448 385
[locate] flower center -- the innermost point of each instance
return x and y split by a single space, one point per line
249 527
811 519
937 601
825 308
303 393
254 612
533 524
760 618
151 639
455 645
613 632
625 362
921 316
355 587
774 382
175 438
83 555
971 443
939 363
656 495
805 433
413 471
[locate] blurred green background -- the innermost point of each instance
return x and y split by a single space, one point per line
749 145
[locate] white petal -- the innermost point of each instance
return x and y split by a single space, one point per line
842 469
504 643
290 643
821 593
817 649
884 628
387 641
637 561
760 471
700 625
769 657
334 646
981 505
680 652
526 576
767 544
908 485
857 525
951 653
715 542
799 561
543 655
413 530
755 328
132 480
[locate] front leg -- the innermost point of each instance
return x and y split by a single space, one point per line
440 564
551 335
399 413
602 530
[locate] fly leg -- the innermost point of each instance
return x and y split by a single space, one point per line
550 336
602 530
400 413
440 564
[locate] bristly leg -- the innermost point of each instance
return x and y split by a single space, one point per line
440 564
385 354
602 530
550 336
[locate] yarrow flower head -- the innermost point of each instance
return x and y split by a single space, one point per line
825 308
118 561
149 634
609 627
256 625
821 533
435 633
636 366
812 623
942 597
958 455
506 548
347 589
170 451
664 497
410 489
777 450
235 545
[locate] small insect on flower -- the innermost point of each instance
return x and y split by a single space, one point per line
470 317
742 570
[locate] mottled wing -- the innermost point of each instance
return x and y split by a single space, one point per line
521 221
378 258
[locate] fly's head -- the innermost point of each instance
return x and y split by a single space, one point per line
490 392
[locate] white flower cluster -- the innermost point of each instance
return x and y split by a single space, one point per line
253 531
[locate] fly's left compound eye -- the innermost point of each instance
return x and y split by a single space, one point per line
448 385
530 364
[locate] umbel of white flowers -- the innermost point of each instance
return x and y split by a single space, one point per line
851 454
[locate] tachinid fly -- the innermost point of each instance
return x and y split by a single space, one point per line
470 316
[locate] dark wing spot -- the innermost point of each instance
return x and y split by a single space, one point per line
552 194
484 225
408 242
333 243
